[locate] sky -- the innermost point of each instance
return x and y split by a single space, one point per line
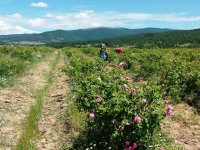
35 16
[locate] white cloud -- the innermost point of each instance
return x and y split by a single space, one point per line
83 15
16 16
135 16
39 4
154 17
17 23
60 17
83 19
38 22
19 29
49 15
175 18
89 18
6 28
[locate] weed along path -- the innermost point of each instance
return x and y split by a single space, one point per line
15 102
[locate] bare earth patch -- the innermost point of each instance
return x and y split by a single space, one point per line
16 101
184 127
51 126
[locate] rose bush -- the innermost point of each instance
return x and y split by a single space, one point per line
117 113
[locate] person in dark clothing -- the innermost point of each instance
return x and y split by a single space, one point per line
103 52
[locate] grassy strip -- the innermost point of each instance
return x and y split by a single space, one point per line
75 121
31 125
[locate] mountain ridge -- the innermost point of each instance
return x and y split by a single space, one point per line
78 35
176 38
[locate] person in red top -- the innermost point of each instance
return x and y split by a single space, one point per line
119 50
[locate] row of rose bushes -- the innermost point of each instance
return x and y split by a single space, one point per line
120 115
176 70
14 60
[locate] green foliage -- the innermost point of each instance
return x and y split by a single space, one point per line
113 122
172 73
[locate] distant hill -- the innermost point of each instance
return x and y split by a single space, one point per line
75 35
180 38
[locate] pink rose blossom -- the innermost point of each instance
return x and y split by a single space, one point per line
170 110
91 115
132 91
127 143
98 100
162 148
135 145
137 119
130 148
127 78
170 113
170 107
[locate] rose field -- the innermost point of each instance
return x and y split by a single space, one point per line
99 75
123 101
70 98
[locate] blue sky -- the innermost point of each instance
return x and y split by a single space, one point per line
29 16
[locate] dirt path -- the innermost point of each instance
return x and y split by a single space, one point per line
51 126
184 127
16 101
